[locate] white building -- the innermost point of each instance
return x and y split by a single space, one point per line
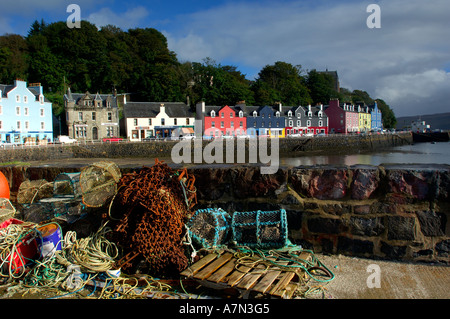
157 119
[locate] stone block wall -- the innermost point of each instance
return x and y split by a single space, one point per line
389 212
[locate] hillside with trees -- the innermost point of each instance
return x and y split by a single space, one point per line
138 61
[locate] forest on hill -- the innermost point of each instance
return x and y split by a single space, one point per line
138 61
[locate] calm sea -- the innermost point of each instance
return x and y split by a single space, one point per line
419 153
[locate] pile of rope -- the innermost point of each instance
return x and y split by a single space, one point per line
150 209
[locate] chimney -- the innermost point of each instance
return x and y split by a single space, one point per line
200 110
162 108
124 99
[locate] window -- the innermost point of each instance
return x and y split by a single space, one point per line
320 123
309 114
18 125
241 124
308 123
17 98
241 114
41 99
150 122
109 116
290 114
17 110
320 114
25 99
231 115
232 124
277 114
1 109
108 104
299 115
25 111
221 124
262 124
94 116
299 123
254 114
42 112
27 125
135 122
1 125
213 114
163 121
42 125
187 121
174 121
213 124
222 115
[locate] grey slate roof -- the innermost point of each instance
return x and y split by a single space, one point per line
151 109
103 97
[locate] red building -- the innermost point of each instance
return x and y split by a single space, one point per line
342 118
223 121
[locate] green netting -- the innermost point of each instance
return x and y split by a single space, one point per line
260 229
209 227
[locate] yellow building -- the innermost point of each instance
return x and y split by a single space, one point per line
365 119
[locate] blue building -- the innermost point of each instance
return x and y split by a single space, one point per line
25 114
266 120
377 123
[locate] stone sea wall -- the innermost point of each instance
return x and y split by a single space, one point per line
389 212
287 146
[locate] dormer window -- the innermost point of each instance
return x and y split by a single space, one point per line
309 114
241 114
320 114
277 114
213 114
290 114
254 114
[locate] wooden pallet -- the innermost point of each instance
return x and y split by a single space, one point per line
220 272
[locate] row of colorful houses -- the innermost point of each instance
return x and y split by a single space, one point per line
173 120
26 115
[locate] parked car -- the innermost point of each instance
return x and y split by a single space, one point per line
64 139
112 139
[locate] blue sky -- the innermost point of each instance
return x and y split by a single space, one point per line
406 62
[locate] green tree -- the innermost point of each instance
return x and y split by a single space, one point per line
219 85
13 61
320 87
281 82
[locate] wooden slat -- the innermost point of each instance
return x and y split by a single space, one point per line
282 283
193 269
252 277
212 267
220 274
264 284
237 275
289 291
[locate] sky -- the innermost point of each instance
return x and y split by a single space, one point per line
405 62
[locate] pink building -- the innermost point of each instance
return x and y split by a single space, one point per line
342 118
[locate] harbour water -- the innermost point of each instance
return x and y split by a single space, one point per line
418 153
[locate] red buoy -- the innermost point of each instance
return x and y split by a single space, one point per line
4 186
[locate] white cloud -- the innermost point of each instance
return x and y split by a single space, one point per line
126 20
401 63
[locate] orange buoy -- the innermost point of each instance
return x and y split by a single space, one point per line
4 186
